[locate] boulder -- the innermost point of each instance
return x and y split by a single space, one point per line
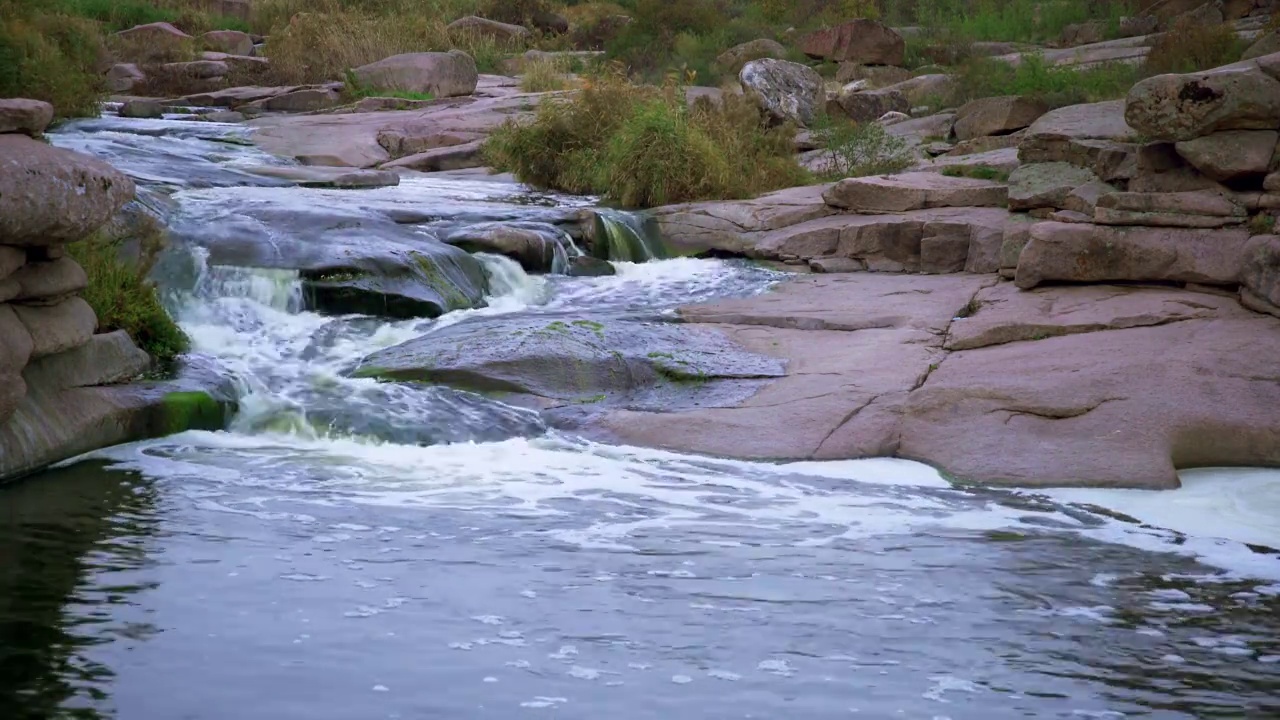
231 42
786 91
862 41
11 258
877 76
329 177
1231 154
57 328
154 42
1085 33
1159 168
1204 15
1139 25
1084 198
870 105
20 115
123 76
50 196
450 157
448 74
504 33
1046 185
549 22
192 70
300 101
15 351
401 142
732 60
997 116
588 266
1069 252
924 89
533 245
1268 44
1184 107
51 279
569 358
145 109
105 359
913 191
1260 275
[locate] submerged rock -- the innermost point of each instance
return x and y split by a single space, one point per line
570 359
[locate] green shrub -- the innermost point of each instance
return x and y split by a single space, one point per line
1034 77
977 172
1016 20
122 296
54 58
544 75
859 149
643 145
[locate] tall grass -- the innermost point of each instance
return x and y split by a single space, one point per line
1035 77
643 145
544 74
1188 47
1016 20
121 294
50 57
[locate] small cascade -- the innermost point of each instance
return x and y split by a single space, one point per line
623 237
510 284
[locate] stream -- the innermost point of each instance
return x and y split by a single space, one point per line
348 548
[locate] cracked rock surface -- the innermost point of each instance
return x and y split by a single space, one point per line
1103 385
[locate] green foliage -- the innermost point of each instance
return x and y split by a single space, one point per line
977 172
1034 77
1189 47
643 145
859 149
52 58
1262 224
544 75
1015 20
122 296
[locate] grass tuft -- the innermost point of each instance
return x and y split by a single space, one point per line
545 74
1035 77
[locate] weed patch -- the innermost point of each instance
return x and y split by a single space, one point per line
976 172
52 58
1034 77
857 150
1188 47
544 74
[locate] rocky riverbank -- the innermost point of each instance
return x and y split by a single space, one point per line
66 389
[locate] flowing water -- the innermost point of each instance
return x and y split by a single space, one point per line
348 549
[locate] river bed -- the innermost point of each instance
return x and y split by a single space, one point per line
354 549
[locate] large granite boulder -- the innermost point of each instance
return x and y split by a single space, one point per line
20 115
734 58
997 115
864 106
1268 44
1184 107
441 74
1260 276
231 42
1093 136
1046 185
1071 252
913 191
786 91
50 196
1231 154
862 41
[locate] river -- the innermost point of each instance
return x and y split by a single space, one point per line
353 549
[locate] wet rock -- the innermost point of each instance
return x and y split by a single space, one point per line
224 116
862 41
57 328
20 115
402 142
997 116
734 58
913 191
1095 253
1046 185
50 195
1184 107
483 27
330 177
550 22
302 100
870 105
569 359
441 74
588 266
1231 154
533 245
231 42
786 91
146 109
1260 275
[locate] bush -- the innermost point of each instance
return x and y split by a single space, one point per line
1016 20
859 149
319 47
1188 47
122 296
642 145
1034 77
54 58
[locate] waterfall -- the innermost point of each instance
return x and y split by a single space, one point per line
623 237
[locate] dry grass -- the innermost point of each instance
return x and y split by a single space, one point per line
545 75
54 58
1189 47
